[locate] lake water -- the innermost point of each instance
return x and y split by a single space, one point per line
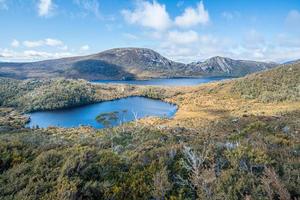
126 109
167 81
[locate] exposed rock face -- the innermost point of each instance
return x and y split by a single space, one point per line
226 66
121 63
141 62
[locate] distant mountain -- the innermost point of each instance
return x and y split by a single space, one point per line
227 66
275 85
128 63
121 63
293 61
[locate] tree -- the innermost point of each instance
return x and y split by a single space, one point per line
161 184
200 177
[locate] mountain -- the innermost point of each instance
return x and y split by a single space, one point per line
227 66
140 61
275 85
128 63
293 61
120 63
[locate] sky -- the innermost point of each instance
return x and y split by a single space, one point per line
181 30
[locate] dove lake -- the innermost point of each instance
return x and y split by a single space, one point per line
104 114
167 81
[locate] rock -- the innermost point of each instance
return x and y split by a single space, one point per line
235 120
286 129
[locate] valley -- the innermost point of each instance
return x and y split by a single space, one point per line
149 100
253 120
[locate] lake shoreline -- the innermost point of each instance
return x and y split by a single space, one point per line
86 115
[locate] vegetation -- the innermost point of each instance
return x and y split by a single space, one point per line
142 162
96 69
49 94
45 95
110 118
278 84
220 145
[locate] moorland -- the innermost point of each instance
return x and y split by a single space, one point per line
232 139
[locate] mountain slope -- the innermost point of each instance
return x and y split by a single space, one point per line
128 63
278 84
293 61
226 66
139 60
122 63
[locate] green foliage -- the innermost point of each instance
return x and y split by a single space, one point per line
34 95
143 162
130 162
153 92
108 119
278 84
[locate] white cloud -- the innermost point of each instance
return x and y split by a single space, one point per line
46 42
33 53
254 39
188 46
53 42
185 37
32 44
3 5
45 7
293 18
64 48
198 48
30 55
287 41
15 43
193 16
85 48
151 15
6 53
90 6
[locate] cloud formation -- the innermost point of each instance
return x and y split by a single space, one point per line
293 19
90 6
186 37
29 55
193 16
46 42
85 48
151 15
155 16
45 7
15 43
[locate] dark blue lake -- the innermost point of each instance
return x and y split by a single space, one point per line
126 110
167 81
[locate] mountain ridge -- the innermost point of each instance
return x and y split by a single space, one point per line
219 65
129 63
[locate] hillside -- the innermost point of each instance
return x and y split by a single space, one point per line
239 147
226 66
49 94
128 63
293 62
279 84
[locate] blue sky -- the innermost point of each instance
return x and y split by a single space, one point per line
183 30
